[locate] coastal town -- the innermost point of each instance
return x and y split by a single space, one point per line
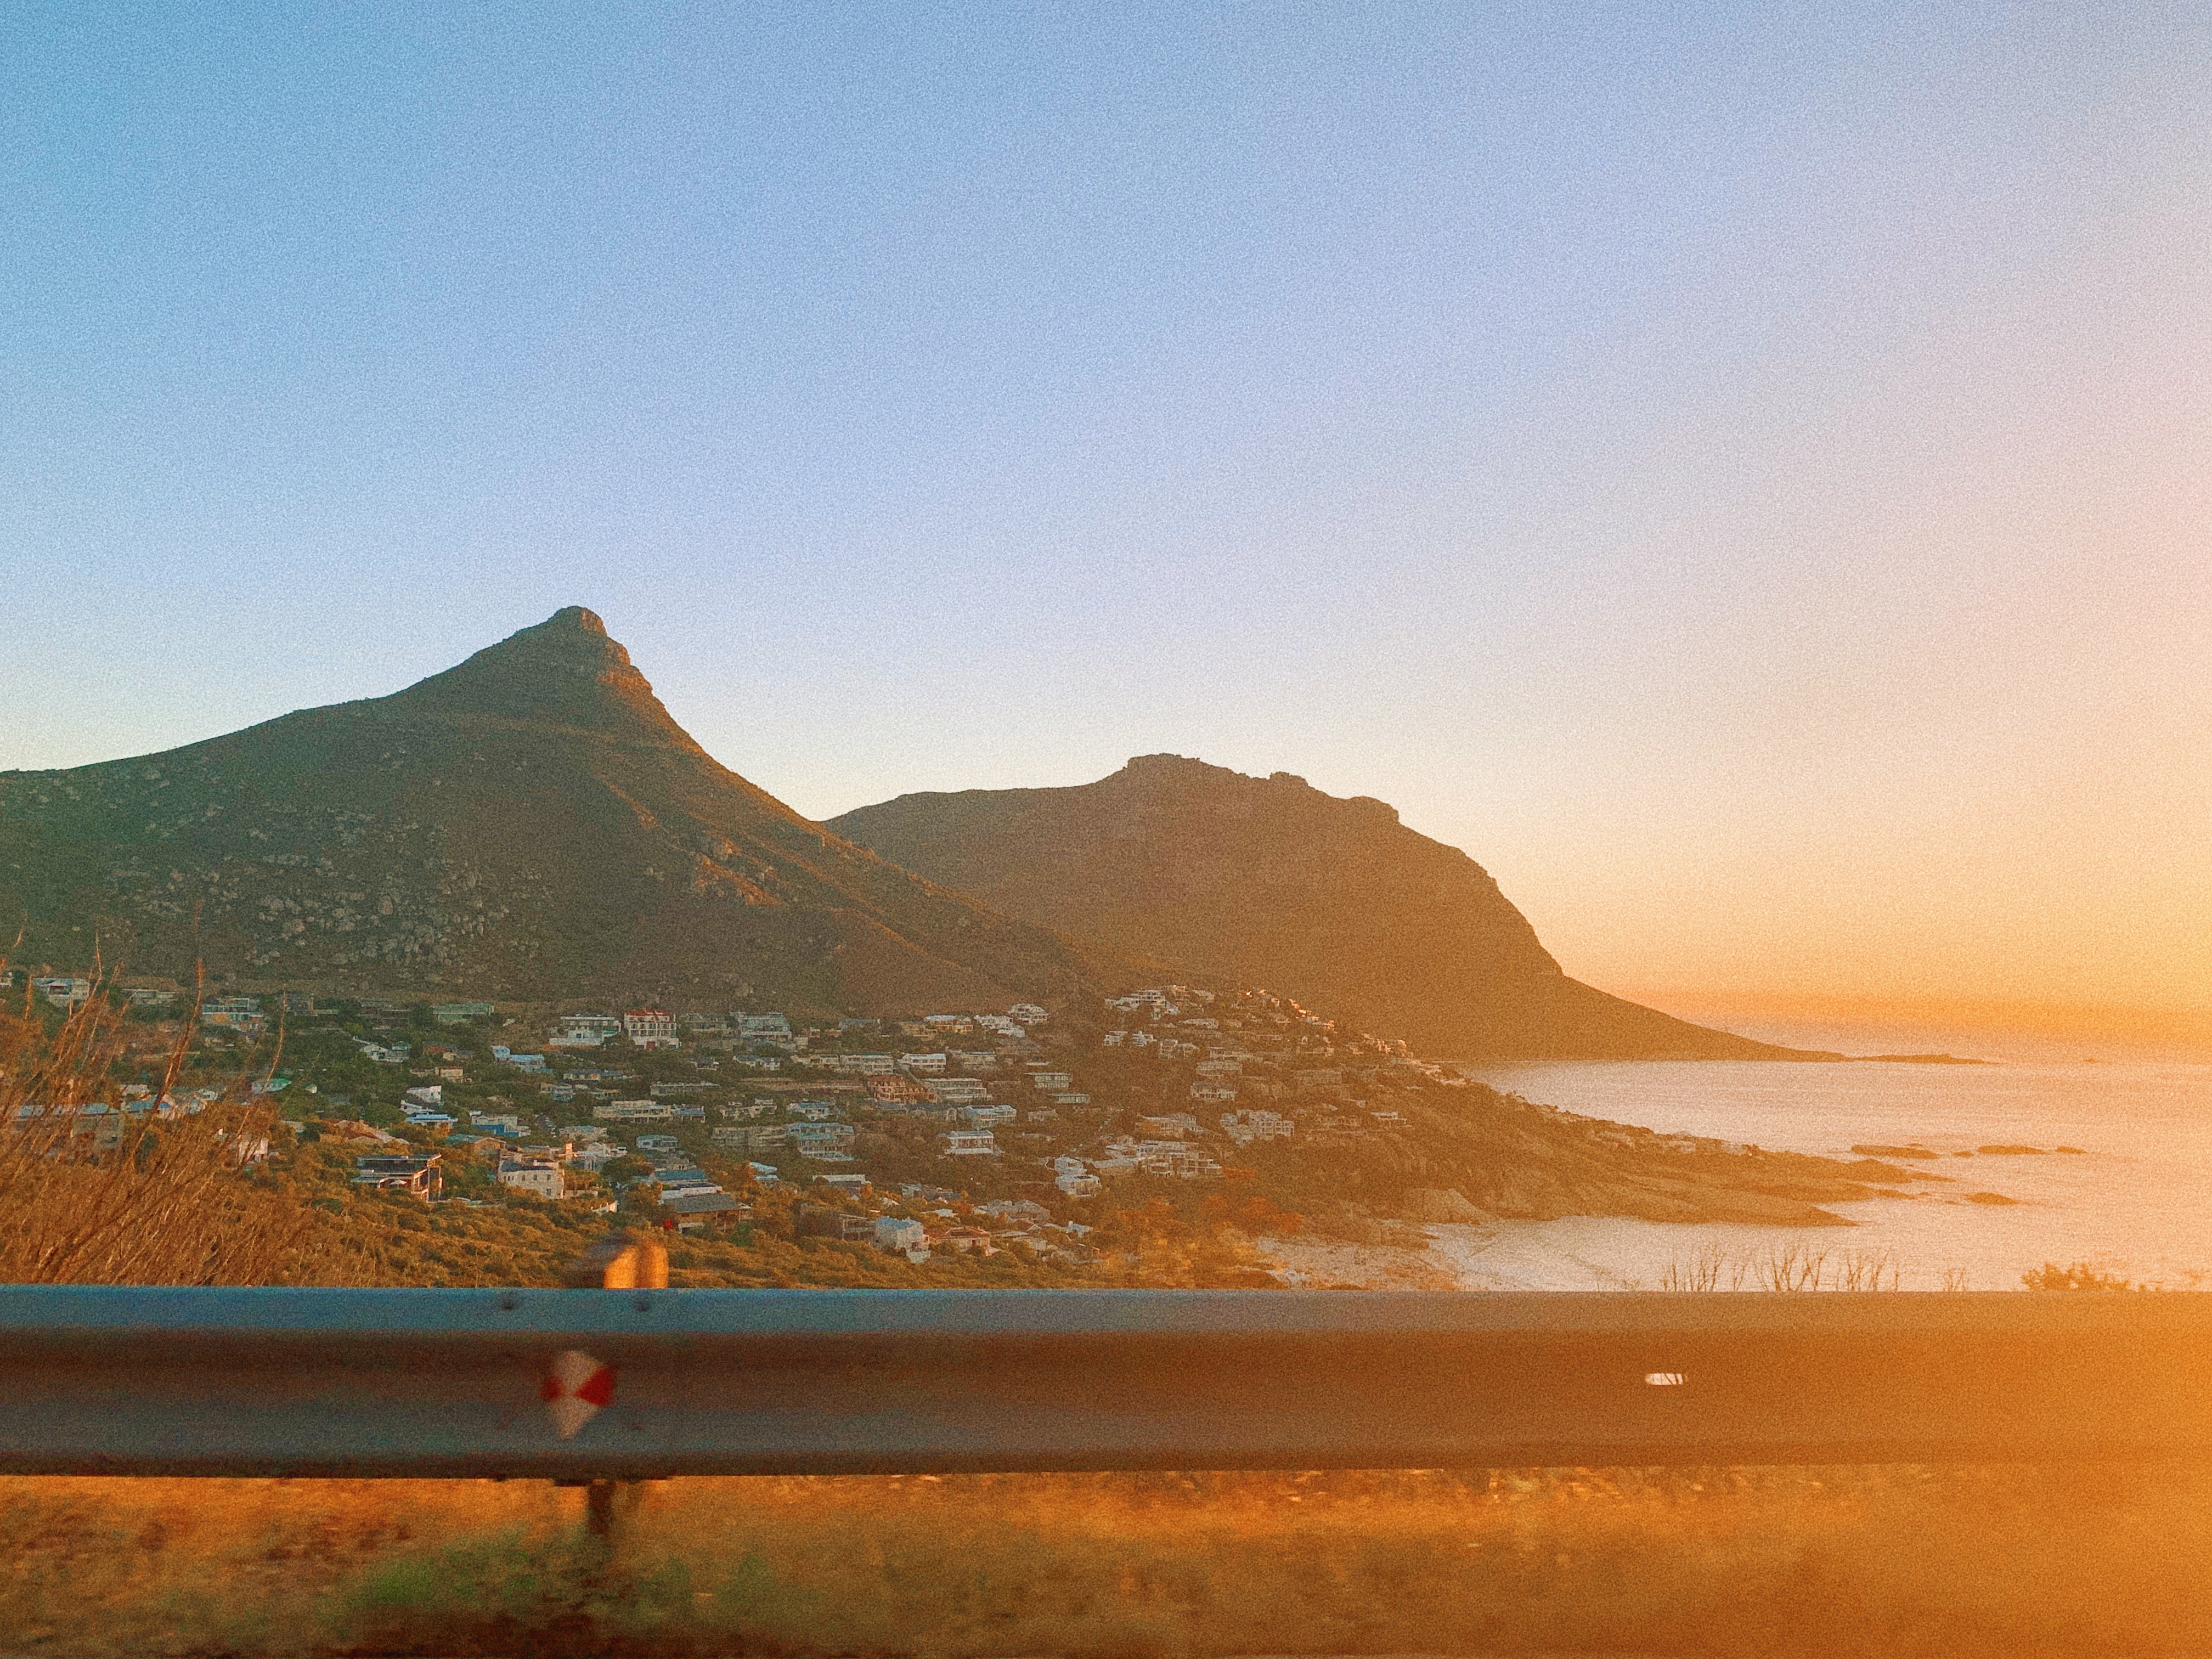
1072 1140
969 1132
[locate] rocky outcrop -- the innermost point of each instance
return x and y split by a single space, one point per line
1476 1156
1445 1204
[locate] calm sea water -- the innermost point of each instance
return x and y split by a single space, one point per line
2138 1199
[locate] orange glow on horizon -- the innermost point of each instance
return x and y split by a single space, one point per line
2178 1027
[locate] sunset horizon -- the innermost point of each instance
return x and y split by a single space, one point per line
1804 987
1118 831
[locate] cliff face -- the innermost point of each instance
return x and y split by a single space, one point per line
530 823
1269 882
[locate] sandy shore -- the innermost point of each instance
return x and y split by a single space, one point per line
1502 1256
1452 1261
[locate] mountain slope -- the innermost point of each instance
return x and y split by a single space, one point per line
1269 882
530 823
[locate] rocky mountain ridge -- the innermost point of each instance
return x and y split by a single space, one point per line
1270 882
530 823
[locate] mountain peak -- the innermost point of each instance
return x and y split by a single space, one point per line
571 631
566 671
576 616
1225 783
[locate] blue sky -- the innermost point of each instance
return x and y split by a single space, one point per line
1738 471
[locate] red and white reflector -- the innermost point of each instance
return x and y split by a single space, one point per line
576 1389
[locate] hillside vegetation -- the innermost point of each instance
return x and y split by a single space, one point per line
1892 1563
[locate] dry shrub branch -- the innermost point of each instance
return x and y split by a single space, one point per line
92 1194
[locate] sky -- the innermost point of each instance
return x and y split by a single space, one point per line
1742 472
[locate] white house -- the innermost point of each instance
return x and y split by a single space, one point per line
901 1237
634 1111
1258 1124
65 991
828 1142
968 1142
233 1013
545 1180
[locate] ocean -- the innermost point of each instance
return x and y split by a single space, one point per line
2136 1200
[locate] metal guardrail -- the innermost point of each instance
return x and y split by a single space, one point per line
629 1384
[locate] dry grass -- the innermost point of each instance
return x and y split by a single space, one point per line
158 1199
1792 1266
1852 1562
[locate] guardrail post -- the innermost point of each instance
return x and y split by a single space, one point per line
617 1262
620 1262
